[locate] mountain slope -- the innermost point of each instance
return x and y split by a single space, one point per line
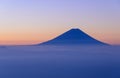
73 37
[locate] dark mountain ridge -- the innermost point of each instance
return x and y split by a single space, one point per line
73 37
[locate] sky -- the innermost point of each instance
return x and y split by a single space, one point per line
25 22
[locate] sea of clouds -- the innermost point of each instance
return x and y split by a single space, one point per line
60 62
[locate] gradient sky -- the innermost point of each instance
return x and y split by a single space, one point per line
24 22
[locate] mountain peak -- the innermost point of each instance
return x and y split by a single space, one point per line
75 29
74 36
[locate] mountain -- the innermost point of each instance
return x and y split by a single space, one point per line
73 37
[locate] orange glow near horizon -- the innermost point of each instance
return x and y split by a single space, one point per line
35 38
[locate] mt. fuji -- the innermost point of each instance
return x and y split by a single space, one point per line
73 37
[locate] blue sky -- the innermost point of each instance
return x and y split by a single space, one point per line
40 20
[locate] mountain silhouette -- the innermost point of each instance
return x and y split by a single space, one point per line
73 37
